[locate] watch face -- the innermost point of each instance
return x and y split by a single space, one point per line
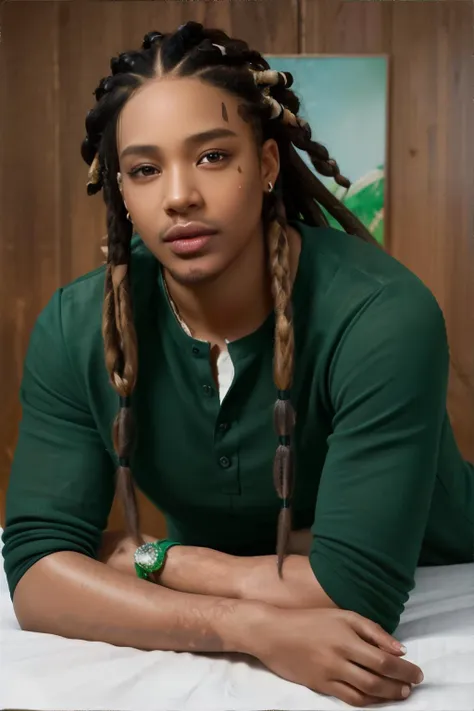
148 557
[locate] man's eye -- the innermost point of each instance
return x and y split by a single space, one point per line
215 153
138 171
146 171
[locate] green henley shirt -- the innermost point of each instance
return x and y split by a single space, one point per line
379 478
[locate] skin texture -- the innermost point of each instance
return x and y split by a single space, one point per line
117 550
208 572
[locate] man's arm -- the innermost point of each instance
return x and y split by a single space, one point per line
388 387
209 572
71 595
247 578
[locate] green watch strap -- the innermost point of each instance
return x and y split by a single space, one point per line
150 557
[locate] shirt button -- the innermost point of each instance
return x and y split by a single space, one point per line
195 351
207 390
224 462
224 426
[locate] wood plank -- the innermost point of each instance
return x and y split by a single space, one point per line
431 155
340 27
243 19
30 246
432 169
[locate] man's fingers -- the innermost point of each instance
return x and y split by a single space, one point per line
384 664
372 684
376 635
350 695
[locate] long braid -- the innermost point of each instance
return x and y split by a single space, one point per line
121 357
297 133
212 56
118 330
283 365
327 166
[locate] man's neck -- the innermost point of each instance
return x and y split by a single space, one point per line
236 303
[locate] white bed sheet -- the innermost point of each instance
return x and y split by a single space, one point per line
48 673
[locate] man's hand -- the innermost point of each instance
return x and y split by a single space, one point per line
337 653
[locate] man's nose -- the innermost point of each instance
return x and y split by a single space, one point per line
180 192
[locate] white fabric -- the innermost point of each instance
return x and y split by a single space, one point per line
225 373
49 673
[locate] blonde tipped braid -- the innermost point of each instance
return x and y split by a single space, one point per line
93 175
121 359
125 381
279 252
269 78
284 416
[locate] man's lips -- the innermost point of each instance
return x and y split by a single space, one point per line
189 230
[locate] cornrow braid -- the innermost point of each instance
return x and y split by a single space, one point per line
273 110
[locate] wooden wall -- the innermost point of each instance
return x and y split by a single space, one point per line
52 55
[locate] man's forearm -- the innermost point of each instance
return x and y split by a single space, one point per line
71 595
208 572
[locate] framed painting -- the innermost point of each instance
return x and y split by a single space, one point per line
345 100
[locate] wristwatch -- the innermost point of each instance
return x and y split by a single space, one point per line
150 557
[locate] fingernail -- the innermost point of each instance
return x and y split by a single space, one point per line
402 648
406 691
419 678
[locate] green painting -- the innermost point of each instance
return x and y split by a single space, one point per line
344 99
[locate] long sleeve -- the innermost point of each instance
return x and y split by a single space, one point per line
62 480
388 387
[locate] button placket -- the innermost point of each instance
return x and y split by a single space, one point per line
226 450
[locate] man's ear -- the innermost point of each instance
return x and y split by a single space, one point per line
119 183
270 162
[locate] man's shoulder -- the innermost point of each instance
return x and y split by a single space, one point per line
73 314
345 270
82 298
348 281
350 257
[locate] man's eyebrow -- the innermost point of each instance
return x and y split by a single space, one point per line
188 141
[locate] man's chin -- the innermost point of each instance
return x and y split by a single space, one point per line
189 274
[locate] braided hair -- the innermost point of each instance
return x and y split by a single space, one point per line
272 108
